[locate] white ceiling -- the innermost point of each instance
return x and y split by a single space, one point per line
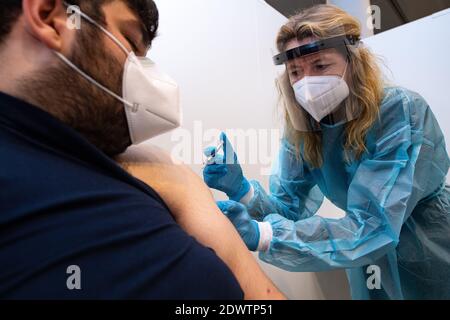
394 12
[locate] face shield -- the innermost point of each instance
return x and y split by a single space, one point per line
312 86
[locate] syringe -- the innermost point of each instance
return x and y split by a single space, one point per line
209 159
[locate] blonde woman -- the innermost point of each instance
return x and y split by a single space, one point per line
376 152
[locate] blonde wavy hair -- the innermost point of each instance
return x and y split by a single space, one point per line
363 75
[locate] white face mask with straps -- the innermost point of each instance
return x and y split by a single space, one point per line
150 97
321 95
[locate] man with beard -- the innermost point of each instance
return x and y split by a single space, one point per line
74 224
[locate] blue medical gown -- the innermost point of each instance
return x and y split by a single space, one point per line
395 198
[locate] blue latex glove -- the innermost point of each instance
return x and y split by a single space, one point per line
245 225
225 172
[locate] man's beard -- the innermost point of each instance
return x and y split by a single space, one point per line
78 103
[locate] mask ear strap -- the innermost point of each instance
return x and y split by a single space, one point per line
95 23
84 74
345 70
92 80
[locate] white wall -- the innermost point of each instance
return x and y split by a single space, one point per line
220 53
416 56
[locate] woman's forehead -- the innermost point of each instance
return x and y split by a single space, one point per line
294 43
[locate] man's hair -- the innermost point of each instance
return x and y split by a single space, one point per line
146 10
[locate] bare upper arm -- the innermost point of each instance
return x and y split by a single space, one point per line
193 206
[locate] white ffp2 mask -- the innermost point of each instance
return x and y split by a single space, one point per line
150 97
321 95
154 98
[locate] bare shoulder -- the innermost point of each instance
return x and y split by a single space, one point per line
174 181
153 164
147 154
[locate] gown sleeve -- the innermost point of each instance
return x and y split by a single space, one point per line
293 193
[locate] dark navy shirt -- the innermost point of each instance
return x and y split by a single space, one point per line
64 203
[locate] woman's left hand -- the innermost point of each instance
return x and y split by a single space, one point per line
240 218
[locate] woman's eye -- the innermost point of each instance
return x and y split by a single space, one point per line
321 66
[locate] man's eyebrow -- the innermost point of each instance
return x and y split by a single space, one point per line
142 30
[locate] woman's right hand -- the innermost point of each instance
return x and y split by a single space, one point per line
224 173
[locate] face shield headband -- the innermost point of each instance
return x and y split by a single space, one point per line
314 47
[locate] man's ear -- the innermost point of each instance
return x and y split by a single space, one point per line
45 20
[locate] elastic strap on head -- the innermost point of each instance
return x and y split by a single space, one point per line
95 23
